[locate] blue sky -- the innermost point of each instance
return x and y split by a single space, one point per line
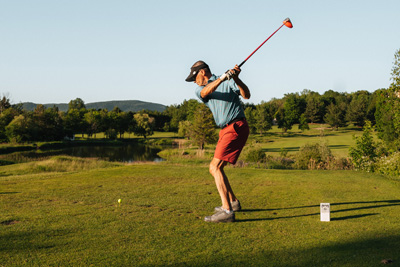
55 51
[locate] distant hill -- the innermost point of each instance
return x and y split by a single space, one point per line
124 105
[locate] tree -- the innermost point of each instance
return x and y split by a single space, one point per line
74 122
76 104
5 118
19 129
387 112
358 108
396 69
184 129
315 107
93 122
120 121
47 124
289 113
263 118
294 106
281 120
364 153
202 130
144 124
250 114
303 125
335 116
4 104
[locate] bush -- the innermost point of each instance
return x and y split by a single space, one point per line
364 153
389 165
281 163
254 154
311 156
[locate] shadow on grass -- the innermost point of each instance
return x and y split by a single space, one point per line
279 149
9 193
379 204
338 146
297 148
362 251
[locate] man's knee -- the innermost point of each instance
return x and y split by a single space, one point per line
213 168
216 166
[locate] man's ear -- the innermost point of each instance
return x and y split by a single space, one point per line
202 71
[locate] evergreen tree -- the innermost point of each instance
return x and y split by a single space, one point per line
364 153
202 130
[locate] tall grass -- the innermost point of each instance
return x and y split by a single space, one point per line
56 164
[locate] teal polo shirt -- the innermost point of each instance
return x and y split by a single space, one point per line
224 102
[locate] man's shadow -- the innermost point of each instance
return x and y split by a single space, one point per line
378 204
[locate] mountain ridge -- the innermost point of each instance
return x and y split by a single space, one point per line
124 105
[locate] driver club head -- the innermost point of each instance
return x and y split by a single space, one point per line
288 23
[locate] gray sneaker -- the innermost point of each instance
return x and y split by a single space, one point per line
235 206
221 216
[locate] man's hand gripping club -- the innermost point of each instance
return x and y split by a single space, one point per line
230 74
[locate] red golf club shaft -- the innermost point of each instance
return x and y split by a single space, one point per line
260 45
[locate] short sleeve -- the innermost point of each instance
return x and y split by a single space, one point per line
198 93
234 87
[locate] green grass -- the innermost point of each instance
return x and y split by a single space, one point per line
71 217
274 141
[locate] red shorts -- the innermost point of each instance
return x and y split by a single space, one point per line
231 141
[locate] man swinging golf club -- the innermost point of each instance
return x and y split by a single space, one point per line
221 94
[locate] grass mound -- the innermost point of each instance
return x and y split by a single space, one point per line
56 164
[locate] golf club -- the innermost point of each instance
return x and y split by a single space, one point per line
286 22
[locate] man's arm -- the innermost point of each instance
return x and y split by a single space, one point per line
244 90
210 88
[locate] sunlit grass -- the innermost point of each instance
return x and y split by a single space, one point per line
73 218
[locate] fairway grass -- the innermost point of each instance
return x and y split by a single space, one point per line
274 141
74 218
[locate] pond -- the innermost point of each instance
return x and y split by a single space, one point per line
124 153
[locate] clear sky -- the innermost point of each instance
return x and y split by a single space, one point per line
52 51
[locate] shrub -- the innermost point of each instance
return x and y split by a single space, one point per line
389 165
311 156
281 163
254 154
364 153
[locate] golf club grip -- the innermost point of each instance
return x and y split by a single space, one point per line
242 63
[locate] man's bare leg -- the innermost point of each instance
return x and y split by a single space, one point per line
221 181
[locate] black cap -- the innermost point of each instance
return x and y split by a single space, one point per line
199 65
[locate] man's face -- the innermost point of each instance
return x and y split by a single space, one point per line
201 79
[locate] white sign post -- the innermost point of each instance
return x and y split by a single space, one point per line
325 212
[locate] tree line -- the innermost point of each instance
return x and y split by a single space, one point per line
193 120
50 124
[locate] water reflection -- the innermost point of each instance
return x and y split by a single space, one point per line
124 153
